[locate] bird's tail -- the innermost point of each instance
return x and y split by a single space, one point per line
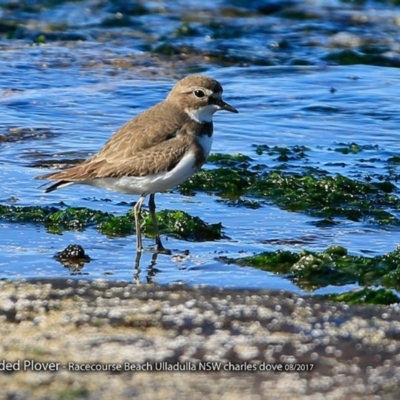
57 185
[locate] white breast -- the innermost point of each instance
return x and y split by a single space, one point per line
205 142
159 182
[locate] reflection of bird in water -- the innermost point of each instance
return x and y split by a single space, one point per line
151 270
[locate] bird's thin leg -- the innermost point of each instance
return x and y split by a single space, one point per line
137 209
152 208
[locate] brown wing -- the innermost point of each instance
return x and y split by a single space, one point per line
161 157
145 131
138 148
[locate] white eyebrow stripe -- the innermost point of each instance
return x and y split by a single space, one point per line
207 92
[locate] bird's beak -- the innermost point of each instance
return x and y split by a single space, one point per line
225 106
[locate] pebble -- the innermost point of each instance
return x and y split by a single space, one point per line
101 340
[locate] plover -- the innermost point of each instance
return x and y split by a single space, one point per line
157 150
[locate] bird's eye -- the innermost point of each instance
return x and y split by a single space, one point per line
199 93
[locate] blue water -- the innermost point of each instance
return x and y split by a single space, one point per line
56 88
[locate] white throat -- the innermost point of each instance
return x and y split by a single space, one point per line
203 114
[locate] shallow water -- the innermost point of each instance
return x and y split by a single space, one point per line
70 96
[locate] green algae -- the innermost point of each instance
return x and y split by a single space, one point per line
223 30
132 8
230 160
182 225
40 39
57 220
168 49
118 226
366 296
8 26
354 148
283 153
117 21
335 267
278 261
328 197
311 190
352 57
224 182
186 30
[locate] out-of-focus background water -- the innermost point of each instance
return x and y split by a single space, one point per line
315 73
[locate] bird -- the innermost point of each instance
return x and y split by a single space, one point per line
155 151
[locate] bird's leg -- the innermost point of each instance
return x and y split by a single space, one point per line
137 209
152 208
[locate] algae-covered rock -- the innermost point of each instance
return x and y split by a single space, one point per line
367 296
56 220
183 225
332 267
298 187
